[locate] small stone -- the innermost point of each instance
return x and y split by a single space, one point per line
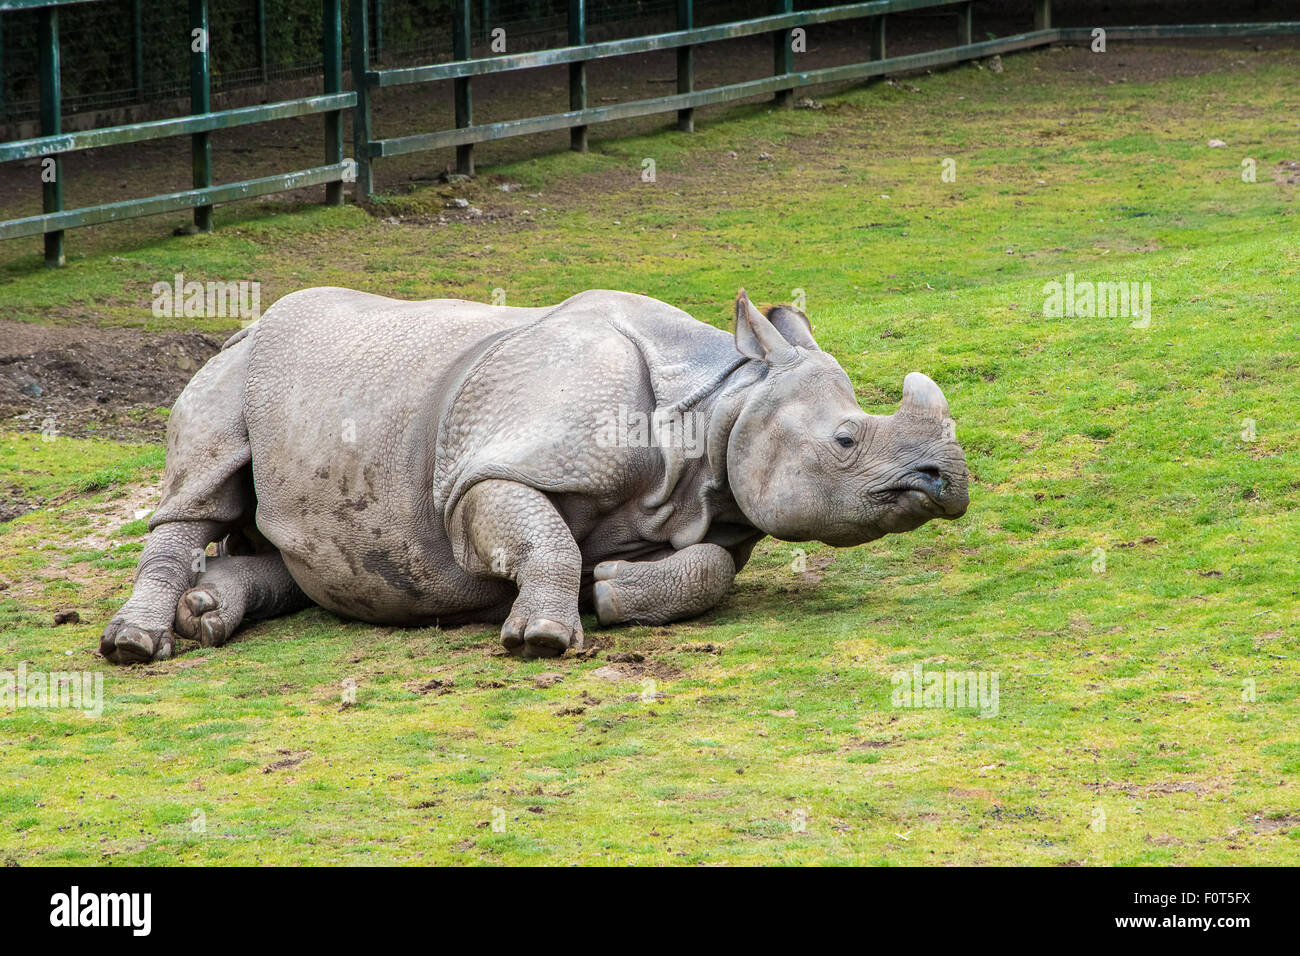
66 617
549 679
458 204
764 157
610 672
1216 144
995 64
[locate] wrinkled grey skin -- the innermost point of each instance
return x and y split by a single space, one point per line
409 463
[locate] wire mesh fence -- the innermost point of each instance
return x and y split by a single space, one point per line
120 53
123 52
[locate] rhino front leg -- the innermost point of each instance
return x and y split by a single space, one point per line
686 583
512 531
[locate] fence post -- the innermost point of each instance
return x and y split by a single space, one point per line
464 95
200 102
261 42
137 47
578 72
964 35
51 123
332 47
878 37
783 54
1042 14
360 40
685 64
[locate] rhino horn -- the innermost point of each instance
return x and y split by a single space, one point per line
756 337
922 397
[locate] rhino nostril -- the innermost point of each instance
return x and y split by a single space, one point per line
932 479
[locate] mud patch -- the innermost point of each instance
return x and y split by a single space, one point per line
435 685
81 380
13 505
1271 824
288 758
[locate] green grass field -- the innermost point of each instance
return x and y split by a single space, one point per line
1127 568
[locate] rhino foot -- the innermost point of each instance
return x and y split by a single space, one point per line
123 643
199 617
608 611
538 637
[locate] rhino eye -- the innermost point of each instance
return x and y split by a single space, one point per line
844 440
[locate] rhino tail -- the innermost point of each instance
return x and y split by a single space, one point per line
237 337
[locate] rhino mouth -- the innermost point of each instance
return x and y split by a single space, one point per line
928 501
925 487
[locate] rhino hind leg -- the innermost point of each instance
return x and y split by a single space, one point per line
686 583
235 589
207 493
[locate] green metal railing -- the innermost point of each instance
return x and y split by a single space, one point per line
781 84
52 144
577 54
781 23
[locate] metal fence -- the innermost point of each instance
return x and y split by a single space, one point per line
396 43
783 25
116 55
195 39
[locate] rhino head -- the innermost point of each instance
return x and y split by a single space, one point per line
805 462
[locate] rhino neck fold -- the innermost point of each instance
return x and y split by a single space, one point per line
694 490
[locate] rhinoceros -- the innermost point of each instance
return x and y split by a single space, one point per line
449 462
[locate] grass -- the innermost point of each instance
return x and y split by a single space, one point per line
1127 567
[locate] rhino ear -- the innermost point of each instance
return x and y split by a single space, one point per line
793 325
923 397
756 337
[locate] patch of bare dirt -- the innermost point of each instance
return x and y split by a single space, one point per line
105 519
1287 172
1269 824
288 758
81 379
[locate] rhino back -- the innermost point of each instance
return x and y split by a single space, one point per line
342 404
